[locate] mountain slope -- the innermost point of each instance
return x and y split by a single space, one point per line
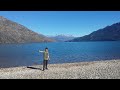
62 38
109 33
12 32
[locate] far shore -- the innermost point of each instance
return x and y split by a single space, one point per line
108 69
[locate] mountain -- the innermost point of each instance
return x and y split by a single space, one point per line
12 32
109 33
62 38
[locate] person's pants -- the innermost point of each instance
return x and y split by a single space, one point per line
45 62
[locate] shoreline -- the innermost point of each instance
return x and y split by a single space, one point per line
108 69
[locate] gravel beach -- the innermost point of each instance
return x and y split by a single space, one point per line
109 69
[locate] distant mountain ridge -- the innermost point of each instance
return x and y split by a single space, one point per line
62 38
12 32
109 33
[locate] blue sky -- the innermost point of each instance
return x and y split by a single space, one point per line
77 23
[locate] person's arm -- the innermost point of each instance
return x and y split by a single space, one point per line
41 51
48 57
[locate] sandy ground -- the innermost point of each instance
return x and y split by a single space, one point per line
84 70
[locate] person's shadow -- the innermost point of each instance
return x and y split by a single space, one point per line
33 68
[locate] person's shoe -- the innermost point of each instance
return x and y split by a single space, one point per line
46 68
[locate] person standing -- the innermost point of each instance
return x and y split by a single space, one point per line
45 58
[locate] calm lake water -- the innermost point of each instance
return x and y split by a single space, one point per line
60 52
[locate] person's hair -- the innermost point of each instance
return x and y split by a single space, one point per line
46 48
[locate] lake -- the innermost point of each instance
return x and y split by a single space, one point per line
13 55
